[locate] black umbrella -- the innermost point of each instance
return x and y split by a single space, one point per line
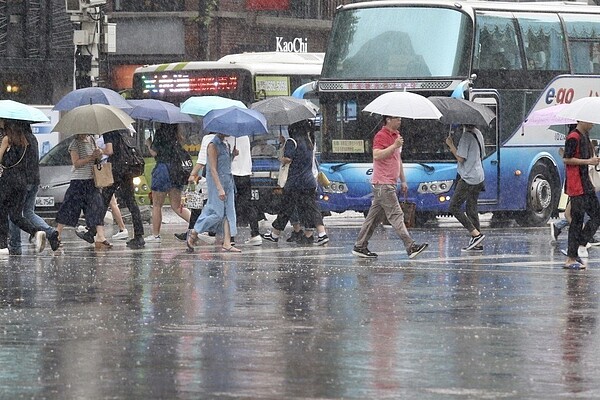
463 112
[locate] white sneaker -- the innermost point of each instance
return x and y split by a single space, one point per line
254 241
40 241
152 239
121 235
206 238
4 251
81 228
582 252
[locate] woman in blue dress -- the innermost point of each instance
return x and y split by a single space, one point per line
218 215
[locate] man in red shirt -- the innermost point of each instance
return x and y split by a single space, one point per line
387 168
578 155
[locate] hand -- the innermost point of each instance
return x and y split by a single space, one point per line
404 188
235 152
399 142
221 194
97 154
449 141
594 160
193 178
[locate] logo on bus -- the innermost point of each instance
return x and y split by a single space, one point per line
561 95
298 45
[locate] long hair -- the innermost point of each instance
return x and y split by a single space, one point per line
303 130
15 130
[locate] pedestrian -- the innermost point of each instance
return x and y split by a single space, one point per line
17 155
582 196
163 149
32 186
387 169
299 191
218 215
557 227
470 182
82 193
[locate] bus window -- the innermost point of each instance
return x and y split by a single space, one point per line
496 42
583 33
542 40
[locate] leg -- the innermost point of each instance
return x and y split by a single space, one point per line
158 199
175 196
372 220
461 195
128 195
394 214
575 228
116 213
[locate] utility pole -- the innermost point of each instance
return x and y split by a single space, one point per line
95 35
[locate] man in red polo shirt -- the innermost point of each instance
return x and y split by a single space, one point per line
387 169
577 156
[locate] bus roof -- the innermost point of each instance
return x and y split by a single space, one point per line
268 63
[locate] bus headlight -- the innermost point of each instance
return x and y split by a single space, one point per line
335 187
136 181
435 187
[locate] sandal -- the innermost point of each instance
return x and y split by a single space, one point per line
103 245
231 249
191 240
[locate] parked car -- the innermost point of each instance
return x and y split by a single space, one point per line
55 177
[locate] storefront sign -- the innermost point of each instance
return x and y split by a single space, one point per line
297 45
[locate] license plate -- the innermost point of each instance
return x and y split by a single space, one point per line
44 201
254 195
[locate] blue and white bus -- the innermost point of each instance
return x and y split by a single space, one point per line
518 57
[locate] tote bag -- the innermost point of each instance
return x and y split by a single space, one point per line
103 176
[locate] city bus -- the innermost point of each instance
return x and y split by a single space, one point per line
513 57
248 77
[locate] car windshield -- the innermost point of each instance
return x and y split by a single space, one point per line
58 155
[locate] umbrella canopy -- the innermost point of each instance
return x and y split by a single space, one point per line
461 111
285 110
586 109
235 121
405 105
94 119
92 95
10 109
201 105
548 116
158 111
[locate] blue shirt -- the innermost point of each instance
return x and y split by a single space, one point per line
300 175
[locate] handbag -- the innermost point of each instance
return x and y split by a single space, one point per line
194 198
594 173
410 213
283 175
181 167
103 176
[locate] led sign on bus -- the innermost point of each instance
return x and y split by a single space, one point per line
187 83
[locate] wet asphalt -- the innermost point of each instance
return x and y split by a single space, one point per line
283 321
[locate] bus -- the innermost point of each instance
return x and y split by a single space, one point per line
248 77
513 57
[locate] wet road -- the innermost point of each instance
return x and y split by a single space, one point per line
289 322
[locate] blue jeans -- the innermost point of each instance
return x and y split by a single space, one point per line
14 241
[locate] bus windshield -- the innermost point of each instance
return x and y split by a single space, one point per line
399 42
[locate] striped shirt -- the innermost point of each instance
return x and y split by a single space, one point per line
84 149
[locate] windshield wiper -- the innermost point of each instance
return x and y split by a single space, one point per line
335 168
428 168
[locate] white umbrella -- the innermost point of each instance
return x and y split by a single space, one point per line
548 116
405 105
586 109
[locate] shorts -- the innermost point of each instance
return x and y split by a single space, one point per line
161 181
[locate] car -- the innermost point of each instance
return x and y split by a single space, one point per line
55 178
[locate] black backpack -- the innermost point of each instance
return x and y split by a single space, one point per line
180 170
127 159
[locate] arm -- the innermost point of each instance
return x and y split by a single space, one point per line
453 150
80 162
108 149
194 174
3 147
582 161
149 145
213 156
380 154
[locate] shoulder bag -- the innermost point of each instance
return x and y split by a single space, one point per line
284 169
2 167
103 176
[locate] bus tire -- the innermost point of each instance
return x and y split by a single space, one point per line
543 194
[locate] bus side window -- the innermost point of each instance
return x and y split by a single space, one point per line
583 39
497 42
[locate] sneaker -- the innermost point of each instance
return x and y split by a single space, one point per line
152 239
254 241
121 235
321 240
137 242
53 240
40 241
85 235
295 236
269 236
4 251
181 236
81 228
582 252
578 259
594 242
475 240
206 238
306 240
554 232
474 249
363 252
417 249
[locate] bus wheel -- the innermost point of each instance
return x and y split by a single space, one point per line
542 197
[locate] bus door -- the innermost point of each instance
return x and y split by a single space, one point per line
491 135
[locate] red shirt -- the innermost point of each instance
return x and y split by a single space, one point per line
577 181
386 171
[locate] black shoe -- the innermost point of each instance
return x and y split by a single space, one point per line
321 240
137 242
475 240
474 249
364 253
181 236
295 236
87 236
306 240
268 236
54 241
554 232
417 249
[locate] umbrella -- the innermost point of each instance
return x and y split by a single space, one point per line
403 104
94 119
10 109
461 111
235 121
285 110
201 105
548 116
91 95
158 111
586 109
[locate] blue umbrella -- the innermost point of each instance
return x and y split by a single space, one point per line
92 95
10 109
235 121
201 105
158 111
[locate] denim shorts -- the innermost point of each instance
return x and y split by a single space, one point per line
161 181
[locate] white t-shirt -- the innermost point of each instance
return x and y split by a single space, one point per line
241 164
